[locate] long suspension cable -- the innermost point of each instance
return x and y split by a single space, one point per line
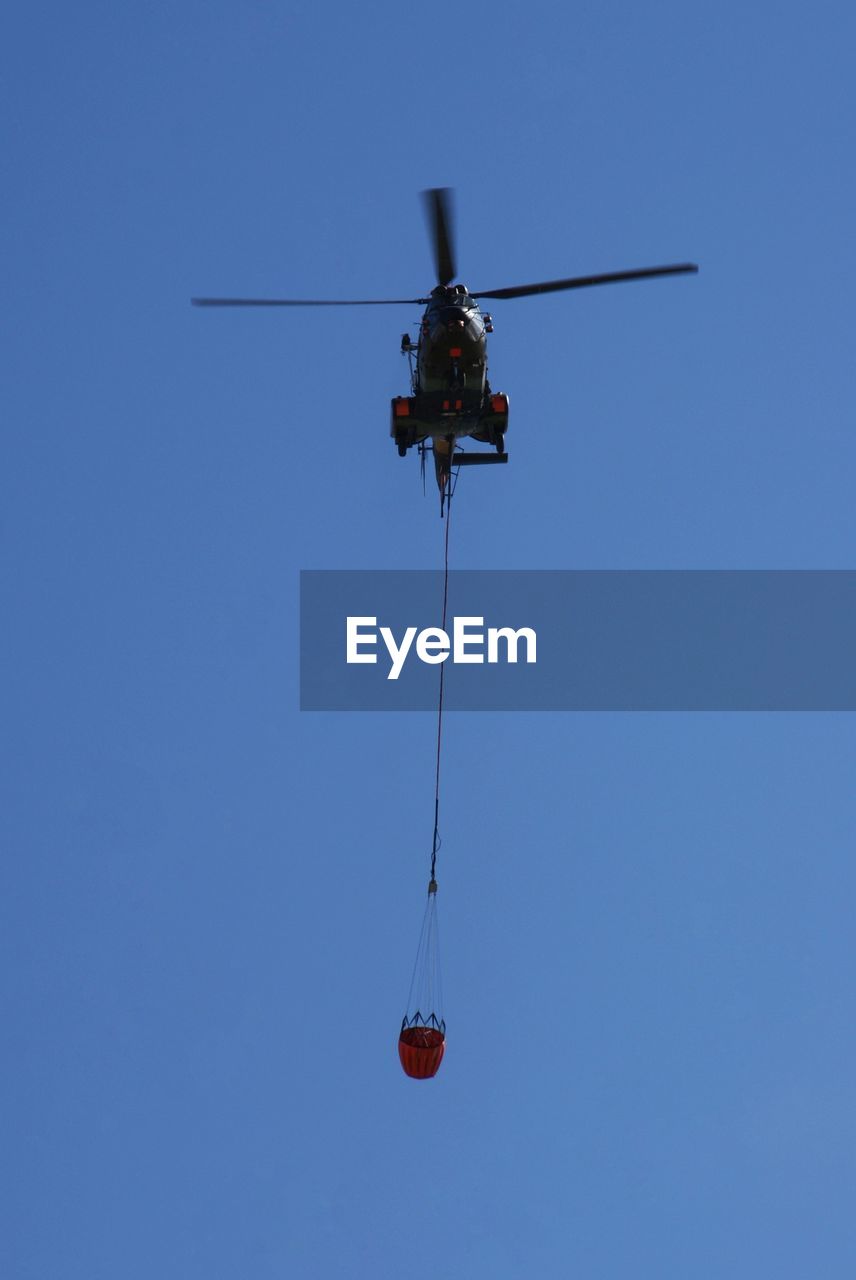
436 843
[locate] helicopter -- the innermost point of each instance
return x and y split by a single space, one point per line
450 395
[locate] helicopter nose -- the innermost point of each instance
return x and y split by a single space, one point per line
455 325
451 315
454 319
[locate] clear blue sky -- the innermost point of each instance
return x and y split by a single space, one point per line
210 902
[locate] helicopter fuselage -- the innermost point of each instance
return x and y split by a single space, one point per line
450 394
452 351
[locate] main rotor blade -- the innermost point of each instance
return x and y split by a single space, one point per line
438 203
583 282
308 302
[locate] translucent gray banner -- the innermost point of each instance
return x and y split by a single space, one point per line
594 640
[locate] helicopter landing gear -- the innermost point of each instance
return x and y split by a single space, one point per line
401 428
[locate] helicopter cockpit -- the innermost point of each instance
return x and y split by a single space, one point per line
452 310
